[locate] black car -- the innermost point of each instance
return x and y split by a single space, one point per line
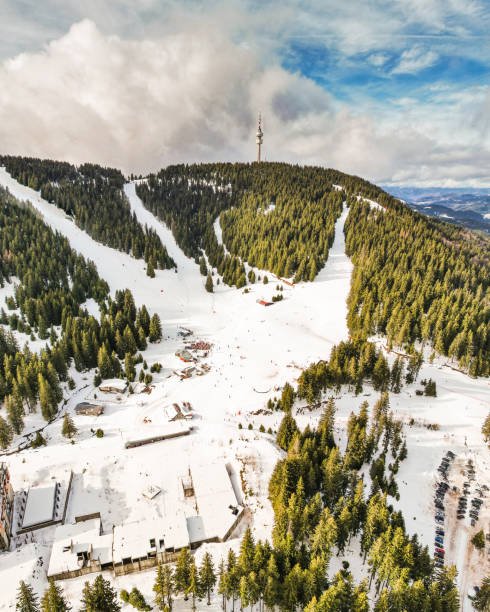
460 516
440 531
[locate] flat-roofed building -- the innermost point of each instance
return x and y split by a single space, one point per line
80 549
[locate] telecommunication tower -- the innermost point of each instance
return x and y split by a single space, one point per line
260 137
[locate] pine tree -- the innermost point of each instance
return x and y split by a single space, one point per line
287 397
104 363
195 587
207 576
46 398
129 368
481 601
53 599
202 266
286 431
129 341
209 283
15 411
99 597
27 600
68 429
163 587
6 433
155 328
486 428
183 572
247 552
150 270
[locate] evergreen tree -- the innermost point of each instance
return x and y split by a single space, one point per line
286 431
53 599
207 576
486 428
209 283
183 572
68 429
163 587
155 328
47 400
6 433
99 597
481 601
129 368
27 600
104 363
15 411
195 587
150 271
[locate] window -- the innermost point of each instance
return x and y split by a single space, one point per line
152 543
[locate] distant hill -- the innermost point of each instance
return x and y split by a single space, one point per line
469 207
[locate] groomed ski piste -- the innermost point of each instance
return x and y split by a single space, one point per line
255 350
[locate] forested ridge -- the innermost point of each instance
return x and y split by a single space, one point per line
51 284
274 216
93 196
417 279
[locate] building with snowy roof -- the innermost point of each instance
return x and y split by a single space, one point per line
113 385
41 507
218 509
80 549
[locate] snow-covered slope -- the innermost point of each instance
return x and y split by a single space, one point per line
255 351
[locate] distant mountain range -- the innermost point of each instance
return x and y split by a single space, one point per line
466 206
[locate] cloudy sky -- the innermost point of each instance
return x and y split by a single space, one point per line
397 91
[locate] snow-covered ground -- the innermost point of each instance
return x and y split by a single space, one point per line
255 351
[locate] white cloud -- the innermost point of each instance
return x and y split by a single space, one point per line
378 59
415 59
193 96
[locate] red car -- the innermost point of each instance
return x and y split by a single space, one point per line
440 551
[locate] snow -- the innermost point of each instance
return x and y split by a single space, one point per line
113 384
215 499
486 216
255 351
372 204
71 540
40 506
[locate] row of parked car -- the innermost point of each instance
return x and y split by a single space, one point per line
439 517
476 502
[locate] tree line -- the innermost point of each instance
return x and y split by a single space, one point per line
320 506
94 197
51 284
416 279
274 216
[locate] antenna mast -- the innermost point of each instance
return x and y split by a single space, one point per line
260 137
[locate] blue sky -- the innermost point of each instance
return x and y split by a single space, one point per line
396 91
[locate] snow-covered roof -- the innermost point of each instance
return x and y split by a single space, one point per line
40 506
113 383
83 537
134 540
150 432
216 500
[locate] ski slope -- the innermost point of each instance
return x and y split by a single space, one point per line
255 351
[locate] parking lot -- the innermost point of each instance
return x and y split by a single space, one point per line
460 511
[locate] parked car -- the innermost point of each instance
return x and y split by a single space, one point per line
473 522
440 531
460 516
439 540
440 551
